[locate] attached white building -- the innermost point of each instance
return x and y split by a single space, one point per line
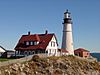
62 52
52 47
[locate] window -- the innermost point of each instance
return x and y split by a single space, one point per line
25 53
55 50
27 43
35 43
31 43
29 53
33 52
52 44
87 53
46 52
50 51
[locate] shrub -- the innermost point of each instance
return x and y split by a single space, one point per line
36 58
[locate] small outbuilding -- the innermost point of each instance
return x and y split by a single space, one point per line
62 52
8 54
82 52
2 50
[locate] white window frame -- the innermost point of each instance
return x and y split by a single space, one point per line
27 43
31 43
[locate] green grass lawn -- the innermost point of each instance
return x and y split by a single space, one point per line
4 59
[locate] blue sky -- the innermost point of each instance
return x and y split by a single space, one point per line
17 17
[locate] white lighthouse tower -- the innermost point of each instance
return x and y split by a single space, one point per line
67 39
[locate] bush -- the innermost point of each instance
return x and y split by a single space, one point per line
36 58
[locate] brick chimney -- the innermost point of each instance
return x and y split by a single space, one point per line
46 32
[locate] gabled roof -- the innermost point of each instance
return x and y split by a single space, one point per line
43 40
81 50
2 49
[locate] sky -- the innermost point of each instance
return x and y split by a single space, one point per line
17 17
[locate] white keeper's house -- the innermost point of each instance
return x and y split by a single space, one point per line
37 44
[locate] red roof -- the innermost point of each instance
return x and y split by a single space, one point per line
43 40
81 50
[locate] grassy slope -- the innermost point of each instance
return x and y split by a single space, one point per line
4 59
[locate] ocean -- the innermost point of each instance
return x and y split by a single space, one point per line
96 55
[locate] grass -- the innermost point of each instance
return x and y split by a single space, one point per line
4 59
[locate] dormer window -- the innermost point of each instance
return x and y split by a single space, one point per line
31 43
27 43
36 42
52 44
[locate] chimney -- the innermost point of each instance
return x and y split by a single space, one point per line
46 32
29 33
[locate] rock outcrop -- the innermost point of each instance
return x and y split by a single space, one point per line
64 65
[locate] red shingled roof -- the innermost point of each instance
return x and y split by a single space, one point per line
81 50
43 40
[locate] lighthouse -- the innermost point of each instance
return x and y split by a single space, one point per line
67 38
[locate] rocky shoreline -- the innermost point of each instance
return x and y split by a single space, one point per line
64 65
